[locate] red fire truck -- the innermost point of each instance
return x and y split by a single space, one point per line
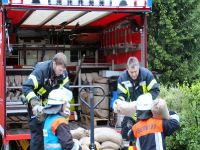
107 32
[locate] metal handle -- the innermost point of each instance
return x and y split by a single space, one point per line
92 145
91 90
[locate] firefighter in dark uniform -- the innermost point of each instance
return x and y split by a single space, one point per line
132 83
46 76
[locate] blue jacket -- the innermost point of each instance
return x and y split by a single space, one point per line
57 134
130 90
51 141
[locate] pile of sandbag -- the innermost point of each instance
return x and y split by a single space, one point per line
108 138
102 111
13 95
15 80
105 138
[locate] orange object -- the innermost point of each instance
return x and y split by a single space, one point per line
145 127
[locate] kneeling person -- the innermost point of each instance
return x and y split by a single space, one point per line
56 130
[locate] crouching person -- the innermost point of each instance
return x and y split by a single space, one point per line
56 130
150 132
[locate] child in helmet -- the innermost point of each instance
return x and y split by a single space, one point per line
56 130
150 132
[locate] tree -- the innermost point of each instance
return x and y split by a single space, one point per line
174 31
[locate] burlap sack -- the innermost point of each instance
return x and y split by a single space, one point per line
95 76
78 133
84 108
110 145
104 104
18 80
89 77
100 113
83 77
107 134
160 109
126 108
86 141
11 81
101 80
85 147
98 91
77 141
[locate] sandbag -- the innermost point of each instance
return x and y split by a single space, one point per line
126 108
11 81
107 134
83 77
84 108
100 113
160 110
89 77
77 141
110 145
95 76
104 104
18 80
86 141
78 133
85 147
101 80
98 91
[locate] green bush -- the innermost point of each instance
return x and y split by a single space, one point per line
185 100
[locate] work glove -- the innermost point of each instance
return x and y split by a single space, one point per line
37 110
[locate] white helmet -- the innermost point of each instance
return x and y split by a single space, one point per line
59 96
144 102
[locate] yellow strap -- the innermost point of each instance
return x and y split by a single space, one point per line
121 88
151 84
34 79
129 95
64 81
30 95
144 88
42 91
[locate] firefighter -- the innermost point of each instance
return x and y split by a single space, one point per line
150 132
56 130
133 82
46 76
